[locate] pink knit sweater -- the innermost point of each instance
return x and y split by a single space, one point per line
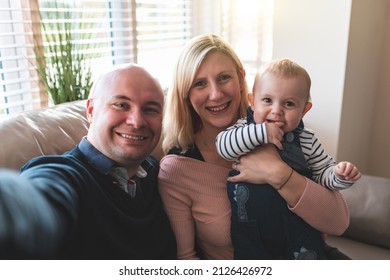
195 198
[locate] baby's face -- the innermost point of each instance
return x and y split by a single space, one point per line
280 99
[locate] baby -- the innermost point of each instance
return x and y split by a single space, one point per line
281 97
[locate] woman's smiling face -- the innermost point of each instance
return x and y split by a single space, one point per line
215 92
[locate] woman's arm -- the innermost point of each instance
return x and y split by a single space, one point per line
323 209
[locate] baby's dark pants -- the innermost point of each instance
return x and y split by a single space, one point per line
262 226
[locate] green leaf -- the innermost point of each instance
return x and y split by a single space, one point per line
64 66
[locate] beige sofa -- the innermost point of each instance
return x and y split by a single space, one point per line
368 235
57 129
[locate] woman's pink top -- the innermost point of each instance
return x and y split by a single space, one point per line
195 198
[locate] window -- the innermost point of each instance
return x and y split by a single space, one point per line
163 27
247 25
17 92
149 32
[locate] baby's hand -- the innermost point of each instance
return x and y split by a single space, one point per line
347 171
274 134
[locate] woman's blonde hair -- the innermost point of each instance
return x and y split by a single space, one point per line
180 121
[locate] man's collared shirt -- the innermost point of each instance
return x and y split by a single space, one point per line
107 166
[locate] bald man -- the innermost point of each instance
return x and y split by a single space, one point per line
99 200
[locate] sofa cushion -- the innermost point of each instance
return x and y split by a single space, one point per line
369 205
41 132
357 250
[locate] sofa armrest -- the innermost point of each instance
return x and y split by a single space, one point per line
369 206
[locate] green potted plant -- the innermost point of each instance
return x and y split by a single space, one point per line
62 60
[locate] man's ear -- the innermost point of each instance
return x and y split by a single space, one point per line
251 98
90 106
307 108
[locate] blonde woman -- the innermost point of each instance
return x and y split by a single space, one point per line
209 94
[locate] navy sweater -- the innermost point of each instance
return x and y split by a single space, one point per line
63 208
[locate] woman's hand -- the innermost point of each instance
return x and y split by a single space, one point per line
262 165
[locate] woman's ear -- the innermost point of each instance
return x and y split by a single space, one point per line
243 73
242 78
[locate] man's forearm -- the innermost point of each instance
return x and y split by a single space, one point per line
31 223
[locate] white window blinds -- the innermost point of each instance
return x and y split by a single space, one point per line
247 25
115 32
149 32
163 27
19 88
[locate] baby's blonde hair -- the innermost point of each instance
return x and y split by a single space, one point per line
283 67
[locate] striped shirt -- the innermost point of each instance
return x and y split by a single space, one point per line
243 137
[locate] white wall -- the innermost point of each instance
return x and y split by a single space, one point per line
315 34
364 115
345 46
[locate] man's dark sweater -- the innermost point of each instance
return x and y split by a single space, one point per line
69 207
